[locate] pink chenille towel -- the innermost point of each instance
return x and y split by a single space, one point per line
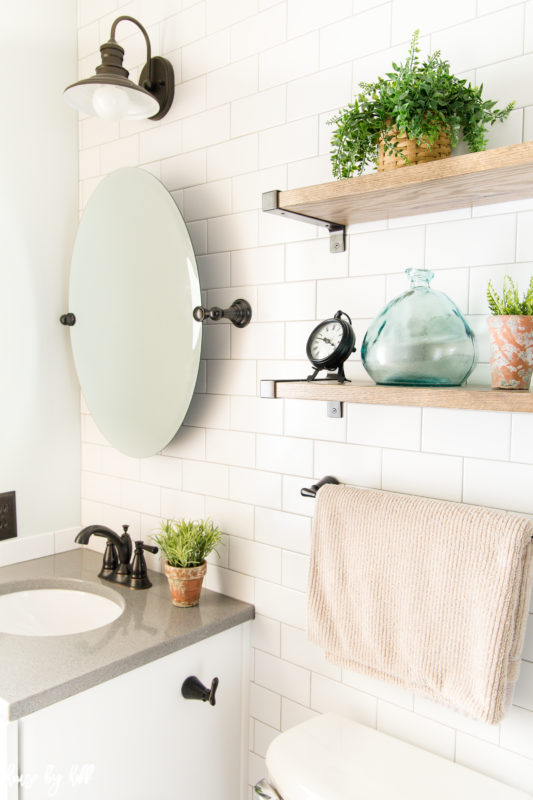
427 594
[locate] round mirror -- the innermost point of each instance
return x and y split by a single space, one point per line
133 286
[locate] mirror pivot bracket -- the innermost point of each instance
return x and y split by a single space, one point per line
239 313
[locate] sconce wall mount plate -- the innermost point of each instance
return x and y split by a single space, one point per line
161 83
110 93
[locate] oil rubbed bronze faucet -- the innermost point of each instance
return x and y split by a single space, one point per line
116 565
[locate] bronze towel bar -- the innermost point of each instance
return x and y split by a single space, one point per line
312 490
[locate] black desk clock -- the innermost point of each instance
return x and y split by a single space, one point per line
330 344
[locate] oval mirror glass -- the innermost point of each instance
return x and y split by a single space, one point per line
133 286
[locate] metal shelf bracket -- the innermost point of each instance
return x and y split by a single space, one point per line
337 233
267 390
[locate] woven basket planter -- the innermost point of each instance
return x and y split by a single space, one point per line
416 153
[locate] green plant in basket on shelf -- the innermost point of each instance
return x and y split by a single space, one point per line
511 335
185 545
413 115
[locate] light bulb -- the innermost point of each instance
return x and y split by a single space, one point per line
110 102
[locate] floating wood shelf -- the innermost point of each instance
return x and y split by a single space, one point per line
492 176
480 398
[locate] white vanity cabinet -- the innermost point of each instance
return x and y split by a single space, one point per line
135 737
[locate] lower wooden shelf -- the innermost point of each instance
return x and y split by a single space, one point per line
481 398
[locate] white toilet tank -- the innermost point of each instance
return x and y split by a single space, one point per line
333 758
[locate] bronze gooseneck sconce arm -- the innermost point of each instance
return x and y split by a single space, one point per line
239 313
111 95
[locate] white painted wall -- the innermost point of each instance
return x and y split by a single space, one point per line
256 82
39 405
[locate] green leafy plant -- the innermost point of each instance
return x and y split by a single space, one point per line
420 99
186 543
509 303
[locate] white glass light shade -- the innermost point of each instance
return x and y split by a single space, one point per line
111 101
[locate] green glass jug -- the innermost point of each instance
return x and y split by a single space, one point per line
420 339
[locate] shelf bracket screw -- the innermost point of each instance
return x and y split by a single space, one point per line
335 409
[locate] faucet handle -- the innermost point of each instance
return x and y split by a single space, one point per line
110 562
140 545
139 572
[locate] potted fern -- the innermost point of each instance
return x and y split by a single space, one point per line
511 335
185 545
414 114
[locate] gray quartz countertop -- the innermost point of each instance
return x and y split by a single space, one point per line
38 671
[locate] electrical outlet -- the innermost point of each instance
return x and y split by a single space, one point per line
8 515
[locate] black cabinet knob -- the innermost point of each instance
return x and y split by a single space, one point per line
193 689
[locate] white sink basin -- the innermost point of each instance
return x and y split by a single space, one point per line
56 612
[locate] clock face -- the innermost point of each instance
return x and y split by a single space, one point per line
326 340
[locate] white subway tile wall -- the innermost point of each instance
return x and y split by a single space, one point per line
257 81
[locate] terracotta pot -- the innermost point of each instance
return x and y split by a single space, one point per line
511 351
185 584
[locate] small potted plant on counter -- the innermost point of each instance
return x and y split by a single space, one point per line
185 545
511 335
413 115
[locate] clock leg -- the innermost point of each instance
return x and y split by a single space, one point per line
341 377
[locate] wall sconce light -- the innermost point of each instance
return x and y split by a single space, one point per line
111 95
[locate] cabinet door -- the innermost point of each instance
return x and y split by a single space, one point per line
136 738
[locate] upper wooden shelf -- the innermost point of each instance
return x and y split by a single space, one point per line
492 176
481 398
